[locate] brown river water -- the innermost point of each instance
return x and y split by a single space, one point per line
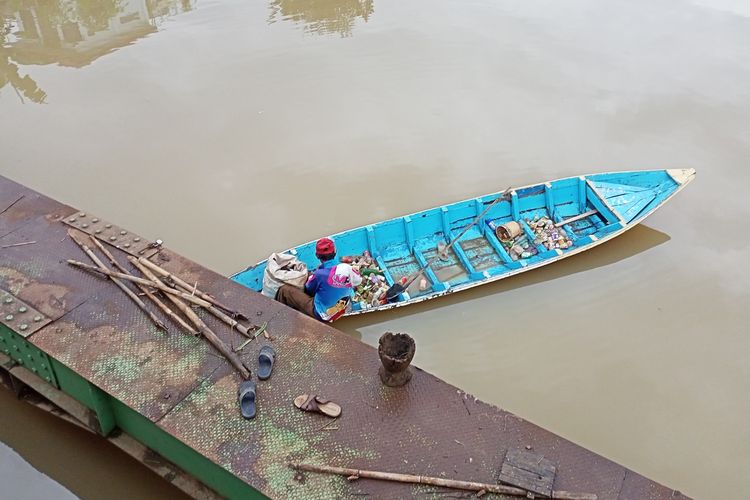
235 128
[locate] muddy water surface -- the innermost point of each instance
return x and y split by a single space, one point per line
231 129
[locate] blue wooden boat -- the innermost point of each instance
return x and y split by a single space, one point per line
599 207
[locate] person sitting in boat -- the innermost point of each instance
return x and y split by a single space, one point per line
329 290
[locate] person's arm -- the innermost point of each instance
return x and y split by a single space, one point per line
311 287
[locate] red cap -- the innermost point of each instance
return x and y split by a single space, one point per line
325 246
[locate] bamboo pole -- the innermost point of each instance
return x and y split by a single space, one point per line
143 267
161 286
190 288
436 481
200 325
161 305
102 268
175 300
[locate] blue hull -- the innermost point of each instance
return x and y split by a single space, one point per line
403 244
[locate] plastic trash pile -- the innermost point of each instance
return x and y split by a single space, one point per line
548 235
371 292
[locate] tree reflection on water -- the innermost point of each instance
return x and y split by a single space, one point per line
322 16
71 33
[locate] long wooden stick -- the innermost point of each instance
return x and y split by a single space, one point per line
435 481
577 217
141 264
190 288
161 305
161 286
200 325
130 293
18 244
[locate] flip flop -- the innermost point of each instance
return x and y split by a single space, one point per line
316 404
265 362
247 399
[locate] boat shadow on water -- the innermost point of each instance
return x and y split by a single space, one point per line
632 242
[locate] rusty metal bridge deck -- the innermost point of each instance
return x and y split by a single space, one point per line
187 390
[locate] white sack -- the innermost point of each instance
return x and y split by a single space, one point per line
283 268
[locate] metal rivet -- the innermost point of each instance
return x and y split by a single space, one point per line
72 219
37 318
127 245
48 379
136 239
108 226
20 361
34 370
9 317
123 233
98 231
112 238
8 300
23 327
82 214
94 220
29 356
84 226
22 309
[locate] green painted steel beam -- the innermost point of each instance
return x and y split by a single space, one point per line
113 413
26 354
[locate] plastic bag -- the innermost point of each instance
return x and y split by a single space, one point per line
283 268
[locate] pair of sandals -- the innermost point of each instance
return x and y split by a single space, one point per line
247 391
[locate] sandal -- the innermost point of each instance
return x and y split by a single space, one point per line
265 362
247 399
316 404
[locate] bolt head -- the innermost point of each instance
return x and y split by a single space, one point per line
37 318
98 231
72 219
84 226
112 238
22 309
127 245
23 327
136 239
123 233
9 317
107 225
82 214
8 300
94 220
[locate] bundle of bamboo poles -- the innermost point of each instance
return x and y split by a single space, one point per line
159 285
